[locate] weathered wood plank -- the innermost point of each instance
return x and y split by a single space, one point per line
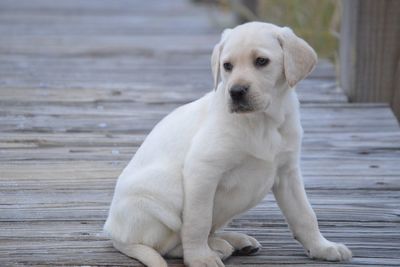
133 118
310 91
102 7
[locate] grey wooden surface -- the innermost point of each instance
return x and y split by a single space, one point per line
83 82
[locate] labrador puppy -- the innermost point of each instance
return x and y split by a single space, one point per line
219 156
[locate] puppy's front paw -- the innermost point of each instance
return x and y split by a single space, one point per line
246 245
205 259
330 251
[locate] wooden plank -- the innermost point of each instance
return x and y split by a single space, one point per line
361 143
132 119
310 91
106 24
102 7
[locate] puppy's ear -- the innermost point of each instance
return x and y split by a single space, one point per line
216 55
299 58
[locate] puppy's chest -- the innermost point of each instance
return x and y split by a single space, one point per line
250 181
265 144
253 178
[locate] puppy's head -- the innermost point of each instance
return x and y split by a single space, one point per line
257 60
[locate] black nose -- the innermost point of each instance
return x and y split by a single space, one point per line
238 92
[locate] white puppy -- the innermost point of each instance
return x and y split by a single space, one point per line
219 156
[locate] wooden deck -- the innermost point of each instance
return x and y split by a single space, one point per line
83 82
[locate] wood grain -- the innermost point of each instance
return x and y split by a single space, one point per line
369 51
83 82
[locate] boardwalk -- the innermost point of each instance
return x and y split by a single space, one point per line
83 82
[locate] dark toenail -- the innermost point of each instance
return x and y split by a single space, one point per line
243 251
248 250
254 250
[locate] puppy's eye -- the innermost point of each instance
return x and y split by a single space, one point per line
261 61
228 66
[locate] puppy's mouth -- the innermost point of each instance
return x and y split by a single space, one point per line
245 107
241 108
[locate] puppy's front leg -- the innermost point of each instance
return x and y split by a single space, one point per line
291 197
200 184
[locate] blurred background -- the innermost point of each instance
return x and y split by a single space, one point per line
318 22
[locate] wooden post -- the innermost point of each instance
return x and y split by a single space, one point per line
370 51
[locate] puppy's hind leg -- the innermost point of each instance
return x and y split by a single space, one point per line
147 255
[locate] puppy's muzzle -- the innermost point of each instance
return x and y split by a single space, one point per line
239 98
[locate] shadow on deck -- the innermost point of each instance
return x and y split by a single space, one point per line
83 82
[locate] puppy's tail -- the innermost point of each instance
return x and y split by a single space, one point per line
147 255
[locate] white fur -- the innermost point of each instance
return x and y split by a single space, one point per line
202 164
